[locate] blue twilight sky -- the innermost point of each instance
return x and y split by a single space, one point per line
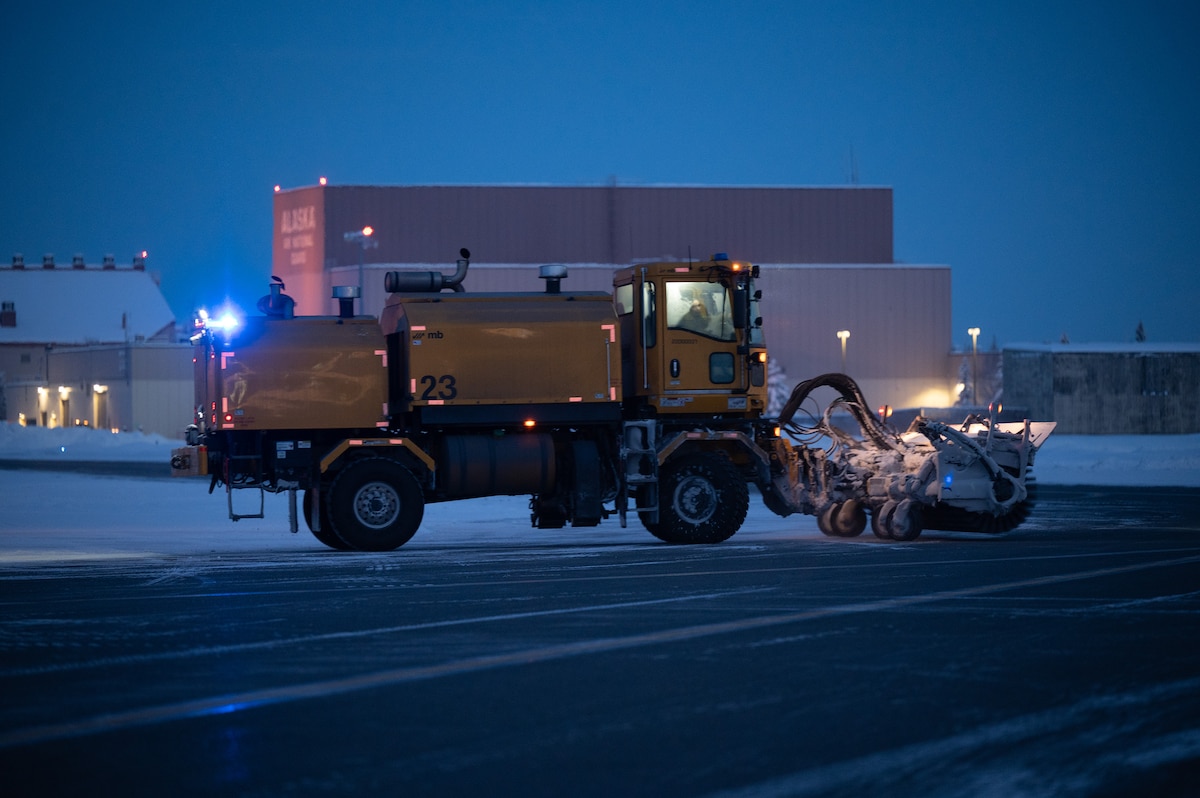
1047 151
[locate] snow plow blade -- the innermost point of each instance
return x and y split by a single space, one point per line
973 477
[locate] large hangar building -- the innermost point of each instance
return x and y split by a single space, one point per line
825 254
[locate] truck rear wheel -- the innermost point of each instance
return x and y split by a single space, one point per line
702 499
375 504
325 534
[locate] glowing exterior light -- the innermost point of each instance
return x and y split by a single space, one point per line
530 423
323 181
843 335
98 388
974 333
276 188
227 319
363 239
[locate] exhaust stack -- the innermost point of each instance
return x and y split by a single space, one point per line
428 282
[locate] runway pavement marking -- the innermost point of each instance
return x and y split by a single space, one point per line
891 769
135 659
237 702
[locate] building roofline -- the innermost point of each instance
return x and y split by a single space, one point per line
576 186
1119 348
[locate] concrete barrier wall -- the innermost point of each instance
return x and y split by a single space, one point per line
1117 391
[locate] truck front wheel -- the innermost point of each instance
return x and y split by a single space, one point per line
375 504
703 499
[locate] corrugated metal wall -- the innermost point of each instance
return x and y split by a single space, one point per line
148 386
603 224
898 318
898 315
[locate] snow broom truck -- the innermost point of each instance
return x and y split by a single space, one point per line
650 400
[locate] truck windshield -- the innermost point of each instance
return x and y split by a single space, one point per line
700 307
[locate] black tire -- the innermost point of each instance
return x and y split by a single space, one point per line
845 519
825 520
702 499
880 523
326 534
898 521
375 504
642 500
904 523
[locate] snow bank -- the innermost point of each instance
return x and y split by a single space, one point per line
1133 460
1130 460
82 443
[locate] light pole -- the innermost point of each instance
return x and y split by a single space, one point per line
362 238
974 333
843 334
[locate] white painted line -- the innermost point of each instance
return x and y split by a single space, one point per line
237 702
200 651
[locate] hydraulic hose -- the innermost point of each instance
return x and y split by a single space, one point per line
855 402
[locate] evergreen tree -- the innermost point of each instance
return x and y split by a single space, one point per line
966 396
779 390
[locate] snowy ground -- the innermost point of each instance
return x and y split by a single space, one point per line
56 517
1129 460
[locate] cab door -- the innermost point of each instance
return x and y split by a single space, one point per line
699 344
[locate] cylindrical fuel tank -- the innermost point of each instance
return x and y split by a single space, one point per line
489 465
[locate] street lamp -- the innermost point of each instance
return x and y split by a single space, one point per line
974 333
362 238
843 334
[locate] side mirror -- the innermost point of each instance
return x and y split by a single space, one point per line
741 309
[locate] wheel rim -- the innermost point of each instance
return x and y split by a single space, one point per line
376 505
695 500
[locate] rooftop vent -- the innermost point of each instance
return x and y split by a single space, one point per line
110 262
345 295
77 262
18 260
48 260
553 274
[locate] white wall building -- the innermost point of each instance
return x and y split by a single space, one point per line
90 345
